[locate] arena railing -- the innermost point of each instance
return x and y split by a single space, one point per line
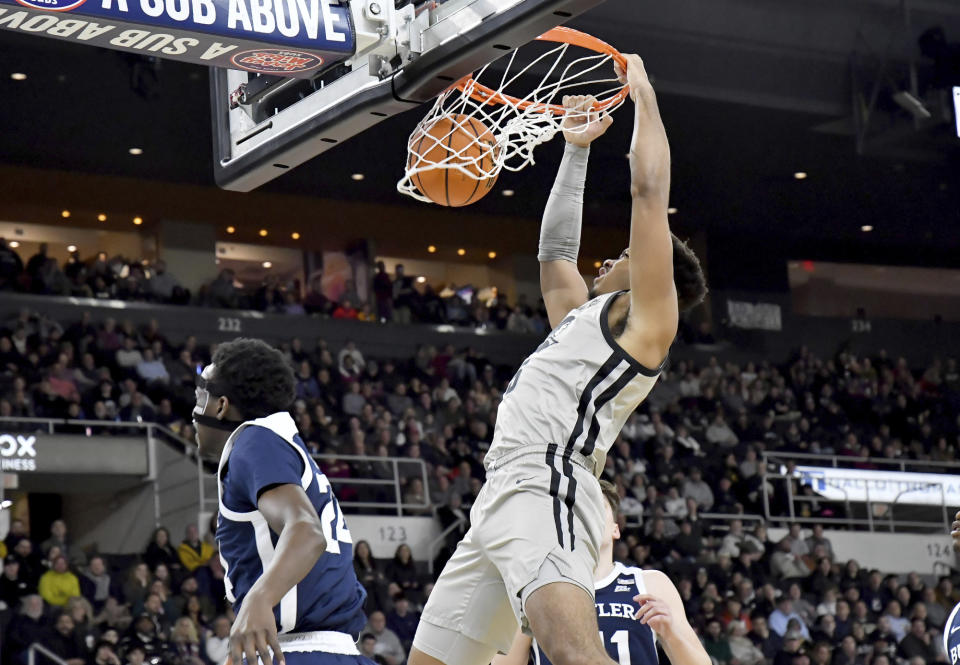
393 484
44 651
871 509
390 500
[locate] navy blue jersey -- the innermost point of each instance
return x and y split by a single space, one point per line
951 636
259 455
626 640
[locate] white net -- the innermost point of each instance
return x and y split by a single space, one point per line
489 123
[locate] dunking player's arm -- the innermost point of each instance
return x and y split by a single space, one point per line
654 312
562 285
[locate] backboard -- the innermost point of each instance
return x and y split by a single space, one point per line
265 124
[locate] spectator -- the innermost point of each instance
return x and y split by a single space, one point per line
781 617
58 538
136 653
58 584
63 641
161 551
383 293
403 621
10 267
12 586
716 644
817 538
143 634
918 642
137 585
388 644
785 565
151 369
792 642
104 653
898 624
27 627
742 650
368 648
194 552
766 640
185 643
95 582
129 356
218 643
403 571
695 488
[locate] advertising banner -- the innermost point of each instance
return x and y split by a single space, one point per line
281 37
927 489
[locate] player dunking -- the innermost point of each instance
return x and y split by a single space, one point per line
537 525
629 634
285 549
951 631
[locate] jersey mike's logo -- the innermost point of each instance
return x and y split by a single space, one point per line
276 61
52 5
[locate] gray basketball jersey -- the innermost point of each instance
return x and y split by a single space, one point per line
575 391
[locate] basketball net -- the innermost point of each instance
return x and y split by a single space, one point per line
518 124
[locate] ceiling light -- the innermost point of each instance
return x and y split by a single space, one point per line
267 264
421 279
492 255
71 248
597 264
431 248
64 213
866 228
800 175
14 244
18 76
671 211
461 251
231 229
357 176
102 217
135 151
138 220
507 192
263 233
295 235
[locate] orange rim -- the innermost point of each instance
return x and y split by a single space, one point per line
560 35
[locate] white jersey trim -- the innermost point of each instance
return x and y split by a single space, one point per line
283 426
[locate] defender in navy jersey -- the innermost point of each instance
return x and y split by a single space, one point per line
629 631
951 631
284 545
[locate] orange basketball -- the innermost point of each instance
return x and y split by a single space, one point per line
457 139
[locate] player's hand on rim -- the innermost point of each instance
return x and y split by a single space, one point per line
635 76
582 125
655 613
254 634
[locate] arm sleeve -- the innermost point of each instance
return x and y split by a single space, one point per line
261 460
562 217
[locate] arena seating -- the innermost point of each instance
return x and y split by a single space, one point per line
692 448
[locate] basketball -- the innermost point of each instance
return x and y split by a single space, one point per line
447 142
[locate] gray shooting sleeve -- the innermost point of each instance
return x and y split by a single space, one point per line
560 228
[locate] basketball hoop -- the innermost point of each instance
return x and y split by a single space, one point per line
448 139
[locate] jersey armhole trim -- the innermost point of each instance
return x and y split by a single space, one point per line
619 350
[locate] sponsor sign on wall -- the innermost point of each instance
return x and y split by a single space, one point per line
927 489
282 37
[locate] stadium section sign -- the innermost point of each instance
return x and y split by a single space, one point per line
859 486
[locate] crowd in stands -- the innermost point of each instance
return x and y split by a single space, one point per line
693 448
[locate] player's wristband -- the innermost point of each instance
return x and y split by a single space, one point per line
563 215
